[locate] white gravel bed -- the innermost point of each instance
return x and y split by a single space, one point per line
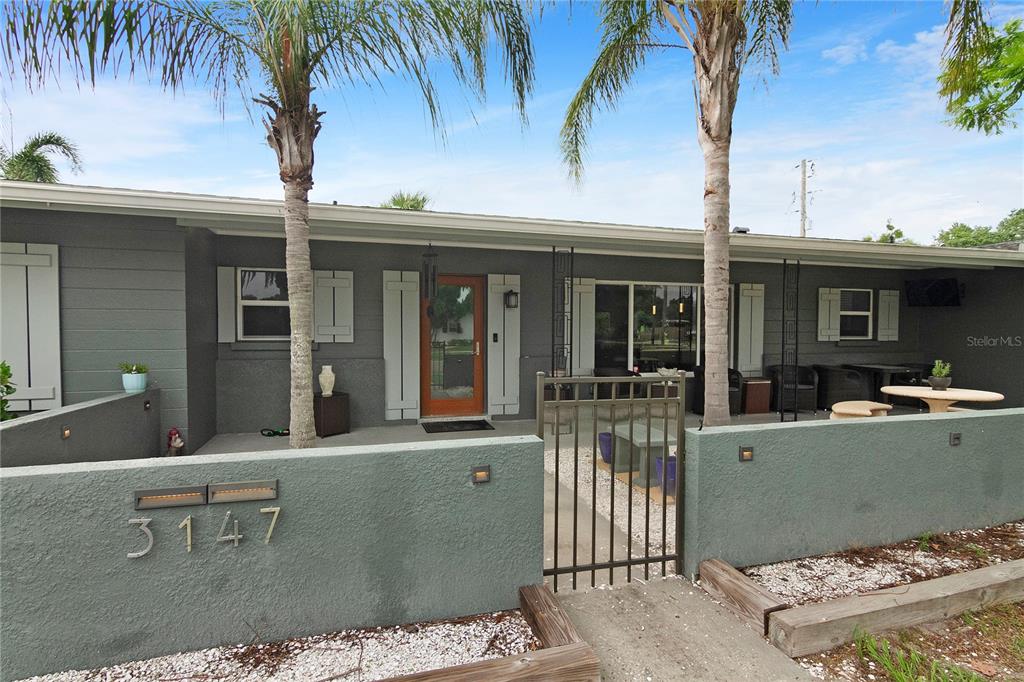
355 655
604 480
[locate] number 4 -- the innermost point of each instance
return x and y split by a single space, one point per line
228 538
273 522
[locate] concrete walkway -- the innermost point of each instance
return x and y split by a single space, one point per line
670 630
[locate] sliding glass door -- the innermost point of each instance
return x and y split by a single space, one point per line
647 326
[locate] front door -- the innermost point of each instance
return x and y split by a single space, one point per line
451 348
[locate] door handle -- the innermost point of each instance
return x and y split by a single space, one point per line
477 346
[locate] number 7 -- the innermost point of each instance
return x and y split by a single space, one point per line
273 522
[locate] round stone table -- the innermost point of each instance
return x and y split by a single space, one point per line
939 401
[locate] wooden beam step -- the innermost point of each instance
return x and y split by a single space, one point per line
812 628
570 663
545 615
739 593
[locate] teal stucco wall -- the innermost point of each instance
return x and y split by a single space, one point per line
822 486
366 536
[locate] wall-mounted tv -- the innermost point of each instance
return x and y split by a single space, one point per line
932 292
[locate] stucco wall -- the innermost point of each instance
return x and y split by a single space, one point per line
122 299
111 428
823 486
366 536
201 335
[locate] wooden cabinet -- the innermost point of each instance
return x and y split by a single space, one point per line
331 414
757 395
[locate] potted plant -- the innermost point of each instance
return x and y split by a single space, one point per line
940 379
133 376
6 389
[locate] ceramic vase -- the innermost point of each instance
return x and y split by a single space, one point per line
326 381
134 383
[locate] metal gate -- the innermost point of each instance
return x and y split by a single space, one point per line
613 442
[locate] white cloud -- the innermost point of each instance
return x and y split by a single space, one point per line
921 56
850 52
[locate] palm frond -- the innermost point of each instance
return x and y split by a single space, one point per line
768 23
409 201
30 168
40 143
627 37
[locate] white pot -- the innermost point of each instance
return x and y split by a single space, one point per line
326 381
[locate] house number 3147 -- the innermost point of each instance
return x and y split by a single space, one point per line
229 531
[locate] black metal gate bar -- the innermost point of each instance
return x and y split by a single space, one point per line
790 339
554 390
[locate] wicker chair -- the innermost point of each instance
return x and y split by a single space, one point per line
804 379
840 384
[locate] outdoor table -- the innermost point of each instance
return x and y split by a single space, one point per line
939 401
642 458
881 375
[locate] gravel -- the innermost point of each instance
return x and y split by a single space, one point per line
349 655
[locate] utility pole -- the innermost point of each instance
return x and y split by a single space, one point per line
803 197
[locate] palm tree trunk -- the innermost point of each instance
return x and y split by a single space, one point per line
290 133
718 77
716 282
300 309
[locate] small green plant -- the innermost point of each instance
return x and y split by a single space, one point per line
968 618
941 369
976 550
909 665
133 368
6 389
924 542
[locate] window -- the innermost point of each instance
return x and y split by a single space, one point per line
646 326
263 304
856 307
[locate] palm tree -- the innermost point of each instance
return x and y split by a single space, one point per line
32 162
721 36
293 47
408 201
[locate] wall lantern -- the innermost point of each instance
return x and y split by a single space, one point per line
682 307
511 299
428 274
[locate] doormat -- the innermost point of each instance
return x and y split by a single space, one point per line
452 426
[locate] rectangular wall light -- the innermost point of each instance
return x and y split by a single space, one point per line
243 491
180 496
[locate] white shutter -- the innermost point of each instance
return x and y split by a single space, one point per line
227 305
401 344
889 315
828 314
332 306
582 333
751 329
30 340
502 346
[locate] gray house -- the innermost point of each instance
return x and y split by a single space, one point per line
194 287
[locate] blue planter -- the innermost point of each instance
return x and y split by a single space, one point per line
604 442
134 383
659 469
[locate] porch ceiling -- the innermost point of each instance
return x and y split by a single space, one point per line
263 218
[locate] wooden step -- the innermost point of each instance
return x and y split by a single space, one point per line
739 593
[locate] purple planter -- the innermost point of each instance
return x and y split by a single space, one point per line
604 442
659 470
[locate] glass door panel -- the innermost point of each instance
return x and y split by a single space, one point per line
452 371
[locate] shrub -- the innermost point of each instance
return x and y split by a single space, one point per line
941 369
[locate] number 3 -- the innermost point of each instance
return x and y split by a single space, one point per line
143 525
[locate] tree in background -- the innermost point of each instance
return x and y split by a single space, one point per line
407 201
721 37
982 74
891 235
32 162
291 47
1009 229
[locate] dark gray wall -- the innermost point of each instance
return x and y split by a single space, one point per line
244 372
122 299
984 336
824 486
376 535
103 429
201 335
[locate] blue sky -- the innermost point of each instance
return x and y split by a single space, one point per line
856 95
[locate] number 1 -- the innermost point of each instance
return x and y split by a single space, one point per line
187 525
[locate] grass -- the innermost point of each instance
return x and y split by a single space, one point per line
907 665
924 542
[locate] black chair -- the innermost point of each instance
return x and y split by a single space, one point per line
804 379
735 390
836 384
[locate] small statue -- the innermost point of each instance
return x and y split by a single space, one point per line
175 443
